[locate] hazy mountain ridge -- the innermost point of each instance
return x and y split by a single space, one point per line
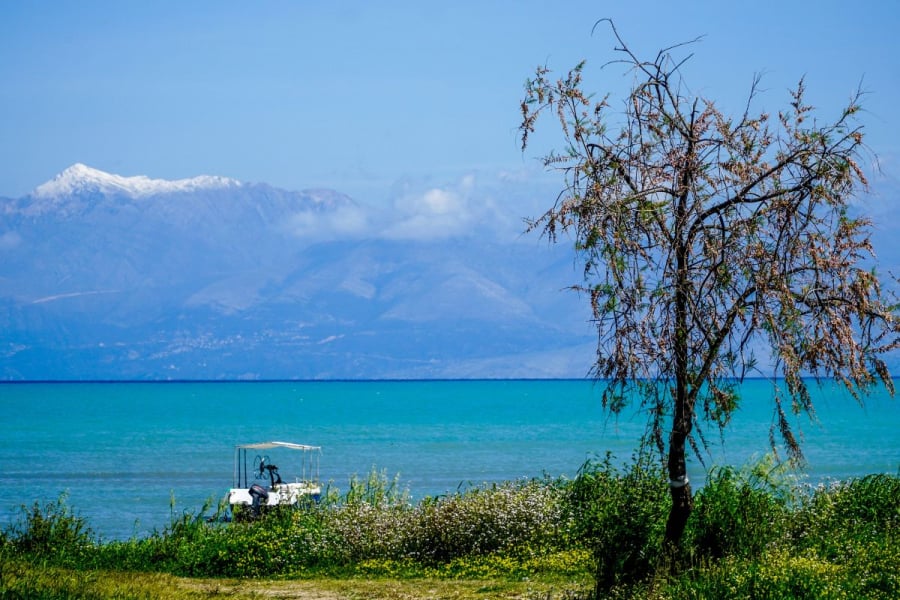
231 280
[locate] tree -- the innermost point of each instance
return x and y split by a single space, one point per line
703 236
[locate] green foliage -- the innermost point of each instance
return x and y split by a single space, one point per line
373 521
20 580
620 517
50 532
754 534
375 490
737 513
839 541
523 518
780 573
835 517
564 565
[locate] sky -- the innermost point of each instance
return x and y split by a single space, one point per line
376 99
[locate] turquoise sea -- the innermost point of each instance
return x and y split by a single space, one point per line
122 451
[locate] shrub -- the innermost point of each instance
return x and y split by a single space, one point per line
620 517
523 518
361 531
368 521
776 575
738 513
752 535
51 532
838 517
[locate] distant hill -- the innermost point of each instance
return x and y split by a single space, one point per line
111 277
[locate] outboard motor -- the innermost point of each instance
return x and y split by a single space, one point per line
274 477
258 493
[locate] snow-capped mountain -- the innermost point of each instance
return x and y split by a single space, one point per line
111 277
203 200
80 179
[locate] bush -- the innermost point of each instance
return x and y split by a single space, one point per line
524 518
372 523
751 535
837 514
777 575
50 532
738 513
620 517
840 541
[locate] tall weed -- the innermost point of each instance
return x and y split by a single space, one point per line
753 533
620 516
739 512
50 532
838 518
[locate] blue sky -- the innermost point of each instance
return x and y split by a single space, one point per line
374 97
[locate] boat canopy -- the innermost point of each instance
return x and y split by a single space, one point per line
268 445
309 462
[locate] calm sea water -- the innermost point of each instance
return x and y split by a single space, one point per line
122 451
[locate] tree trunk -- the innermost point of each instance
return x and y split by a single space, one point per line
683 416
682 422
679 486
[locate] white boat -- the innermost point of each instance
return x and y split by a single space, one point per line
258 481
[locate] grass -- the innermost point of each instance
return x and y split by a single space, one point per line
22 579
755 532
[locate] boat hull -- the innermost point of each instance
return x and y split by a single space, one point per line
280 494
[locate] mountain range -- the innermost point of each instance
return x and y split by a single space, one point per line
105 277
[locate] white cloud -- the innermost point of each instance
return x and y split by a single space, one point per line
483 204
344 222
439 212
436 213
441 202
